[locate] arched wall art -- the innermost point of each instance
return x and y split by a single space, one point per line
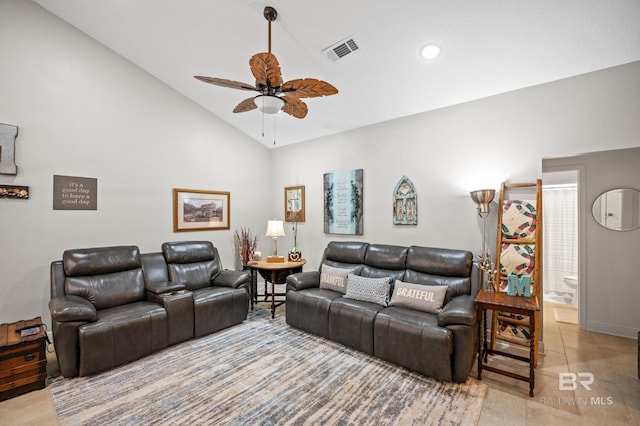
405 203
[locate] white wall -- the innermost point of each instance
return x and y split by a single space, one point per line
608 284
447 153
84 111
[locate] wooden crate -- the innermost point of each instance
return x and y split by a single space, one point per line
23 361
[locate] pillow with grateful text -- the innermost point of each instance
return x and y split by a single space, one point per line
334 278
425 298
374 290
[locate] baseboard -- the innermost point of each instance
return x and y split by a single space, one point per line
615 330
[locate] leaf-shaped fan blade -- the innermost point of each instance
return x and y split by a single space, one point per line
266 69
294 106
246 105
308 88
225 83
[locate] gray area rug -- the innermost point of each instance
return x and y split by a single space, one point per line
263 372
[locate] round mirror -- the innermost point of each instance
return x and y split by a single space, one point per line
618 209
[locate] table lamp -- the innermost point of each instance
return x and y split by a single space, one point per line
275 229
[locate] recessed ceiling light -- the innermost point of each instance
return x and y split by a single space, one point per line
430 51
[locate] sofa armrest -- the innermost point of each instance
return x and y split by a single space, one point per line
72 308
302 280
229 278
460 310
164 287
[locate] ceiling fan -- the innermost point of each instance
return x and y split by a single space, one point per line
274 95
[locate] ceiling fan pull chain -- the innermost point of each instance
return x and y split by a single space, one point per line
262 99
274 130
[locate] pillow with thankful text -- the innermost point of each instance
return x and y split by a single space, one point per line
334 278
425 298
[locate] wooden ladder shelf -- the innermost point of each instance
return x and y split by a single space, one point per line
519 251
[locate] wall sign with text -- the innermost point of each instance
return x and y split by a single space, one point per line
75 193
343 193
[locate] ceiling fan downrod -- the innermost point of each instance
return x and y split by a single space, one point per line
270 15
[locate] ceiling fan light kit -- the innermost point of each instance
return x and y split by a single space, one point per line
269 104
274 96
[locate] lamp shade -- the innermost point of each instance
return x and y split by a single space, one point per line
275 228
269 104
483 197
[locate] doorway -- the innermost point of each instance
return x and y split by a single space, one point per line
561 284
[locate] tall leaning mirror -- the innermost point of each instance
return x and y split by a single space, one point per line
618 209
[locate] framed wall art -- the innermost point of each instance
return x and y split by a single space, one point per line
75 193
405 203
294 204
200 210
343 192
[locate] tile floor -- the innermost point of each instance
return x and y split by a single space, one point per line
614 398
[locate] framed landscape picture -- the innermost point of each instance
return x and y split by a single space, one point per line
294 204
200 210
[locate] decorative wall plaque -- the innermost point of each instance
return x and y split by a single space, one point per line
405 203
343 193
75 193
8 135
14 191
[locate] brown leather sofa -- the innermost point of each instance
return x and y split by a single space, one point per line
112 305
441 345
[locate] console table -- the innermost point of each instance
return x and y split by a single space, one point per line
502 302
275 273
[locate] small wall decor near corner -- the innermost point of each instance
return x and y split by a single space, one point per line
8 135
405 203
200 210
75 193
343 212
14 191
294 204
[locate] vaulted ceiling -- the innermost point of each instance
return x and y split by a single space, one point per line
487 47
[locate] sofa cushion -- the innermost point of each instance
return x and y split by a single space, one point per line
334 278
108 290
101 260
375 290
188 251
346 252
425 298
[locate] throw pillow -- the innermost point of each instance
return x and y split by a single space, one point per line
375 290
425 298
334 278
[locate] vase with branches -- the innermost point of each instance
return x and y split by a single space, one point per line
246 242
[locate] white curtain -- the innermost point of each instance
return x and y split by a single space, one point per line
560 239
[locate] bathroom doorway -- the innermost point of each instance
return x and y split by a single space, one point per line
561 284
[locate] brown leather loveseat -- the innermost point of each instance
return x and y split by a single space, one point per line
439 342
113 305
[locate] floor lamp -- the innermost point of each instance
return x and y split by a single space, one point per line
484 197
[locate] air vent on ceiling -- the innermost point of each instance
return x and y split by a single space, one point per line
341 49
